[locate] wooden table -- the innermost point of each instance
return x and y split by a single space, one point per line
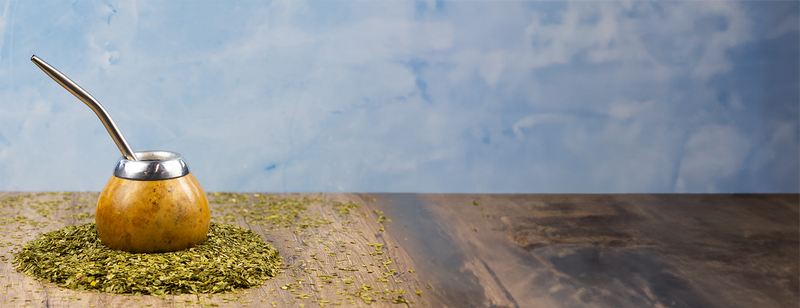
462 250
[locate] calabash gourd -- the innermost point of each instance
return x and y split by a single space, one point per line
152 216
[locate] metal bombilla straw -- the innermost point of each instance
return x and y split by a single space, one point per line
90 101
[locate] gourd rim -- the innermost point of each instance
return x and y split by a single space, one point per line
152 166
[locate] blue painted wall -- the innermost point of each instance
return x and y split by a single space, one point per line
400 96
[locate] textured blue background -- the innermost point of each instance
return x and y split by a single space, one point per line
526 97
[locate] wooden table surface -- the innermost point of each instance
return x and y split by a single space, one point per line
479 250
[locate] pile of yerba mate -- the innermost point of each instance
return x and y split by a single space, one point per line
74 257
332 253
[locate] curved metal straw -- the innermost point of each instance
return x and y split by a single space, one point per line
87 99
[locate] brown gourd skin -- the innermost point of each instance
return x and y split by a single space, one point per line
152 216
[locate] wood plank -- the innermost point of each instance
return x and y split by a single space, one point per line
479 250
344 251
605 250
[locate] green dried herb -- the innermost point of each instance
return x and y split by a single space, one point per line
74 257
315 231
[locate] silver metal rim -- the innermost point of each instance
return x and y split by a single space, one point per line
152 166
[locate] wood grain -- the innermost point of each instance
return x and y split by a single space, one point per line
475 250
323 266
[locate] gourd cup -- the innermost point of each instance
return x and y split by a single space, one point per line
153 204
